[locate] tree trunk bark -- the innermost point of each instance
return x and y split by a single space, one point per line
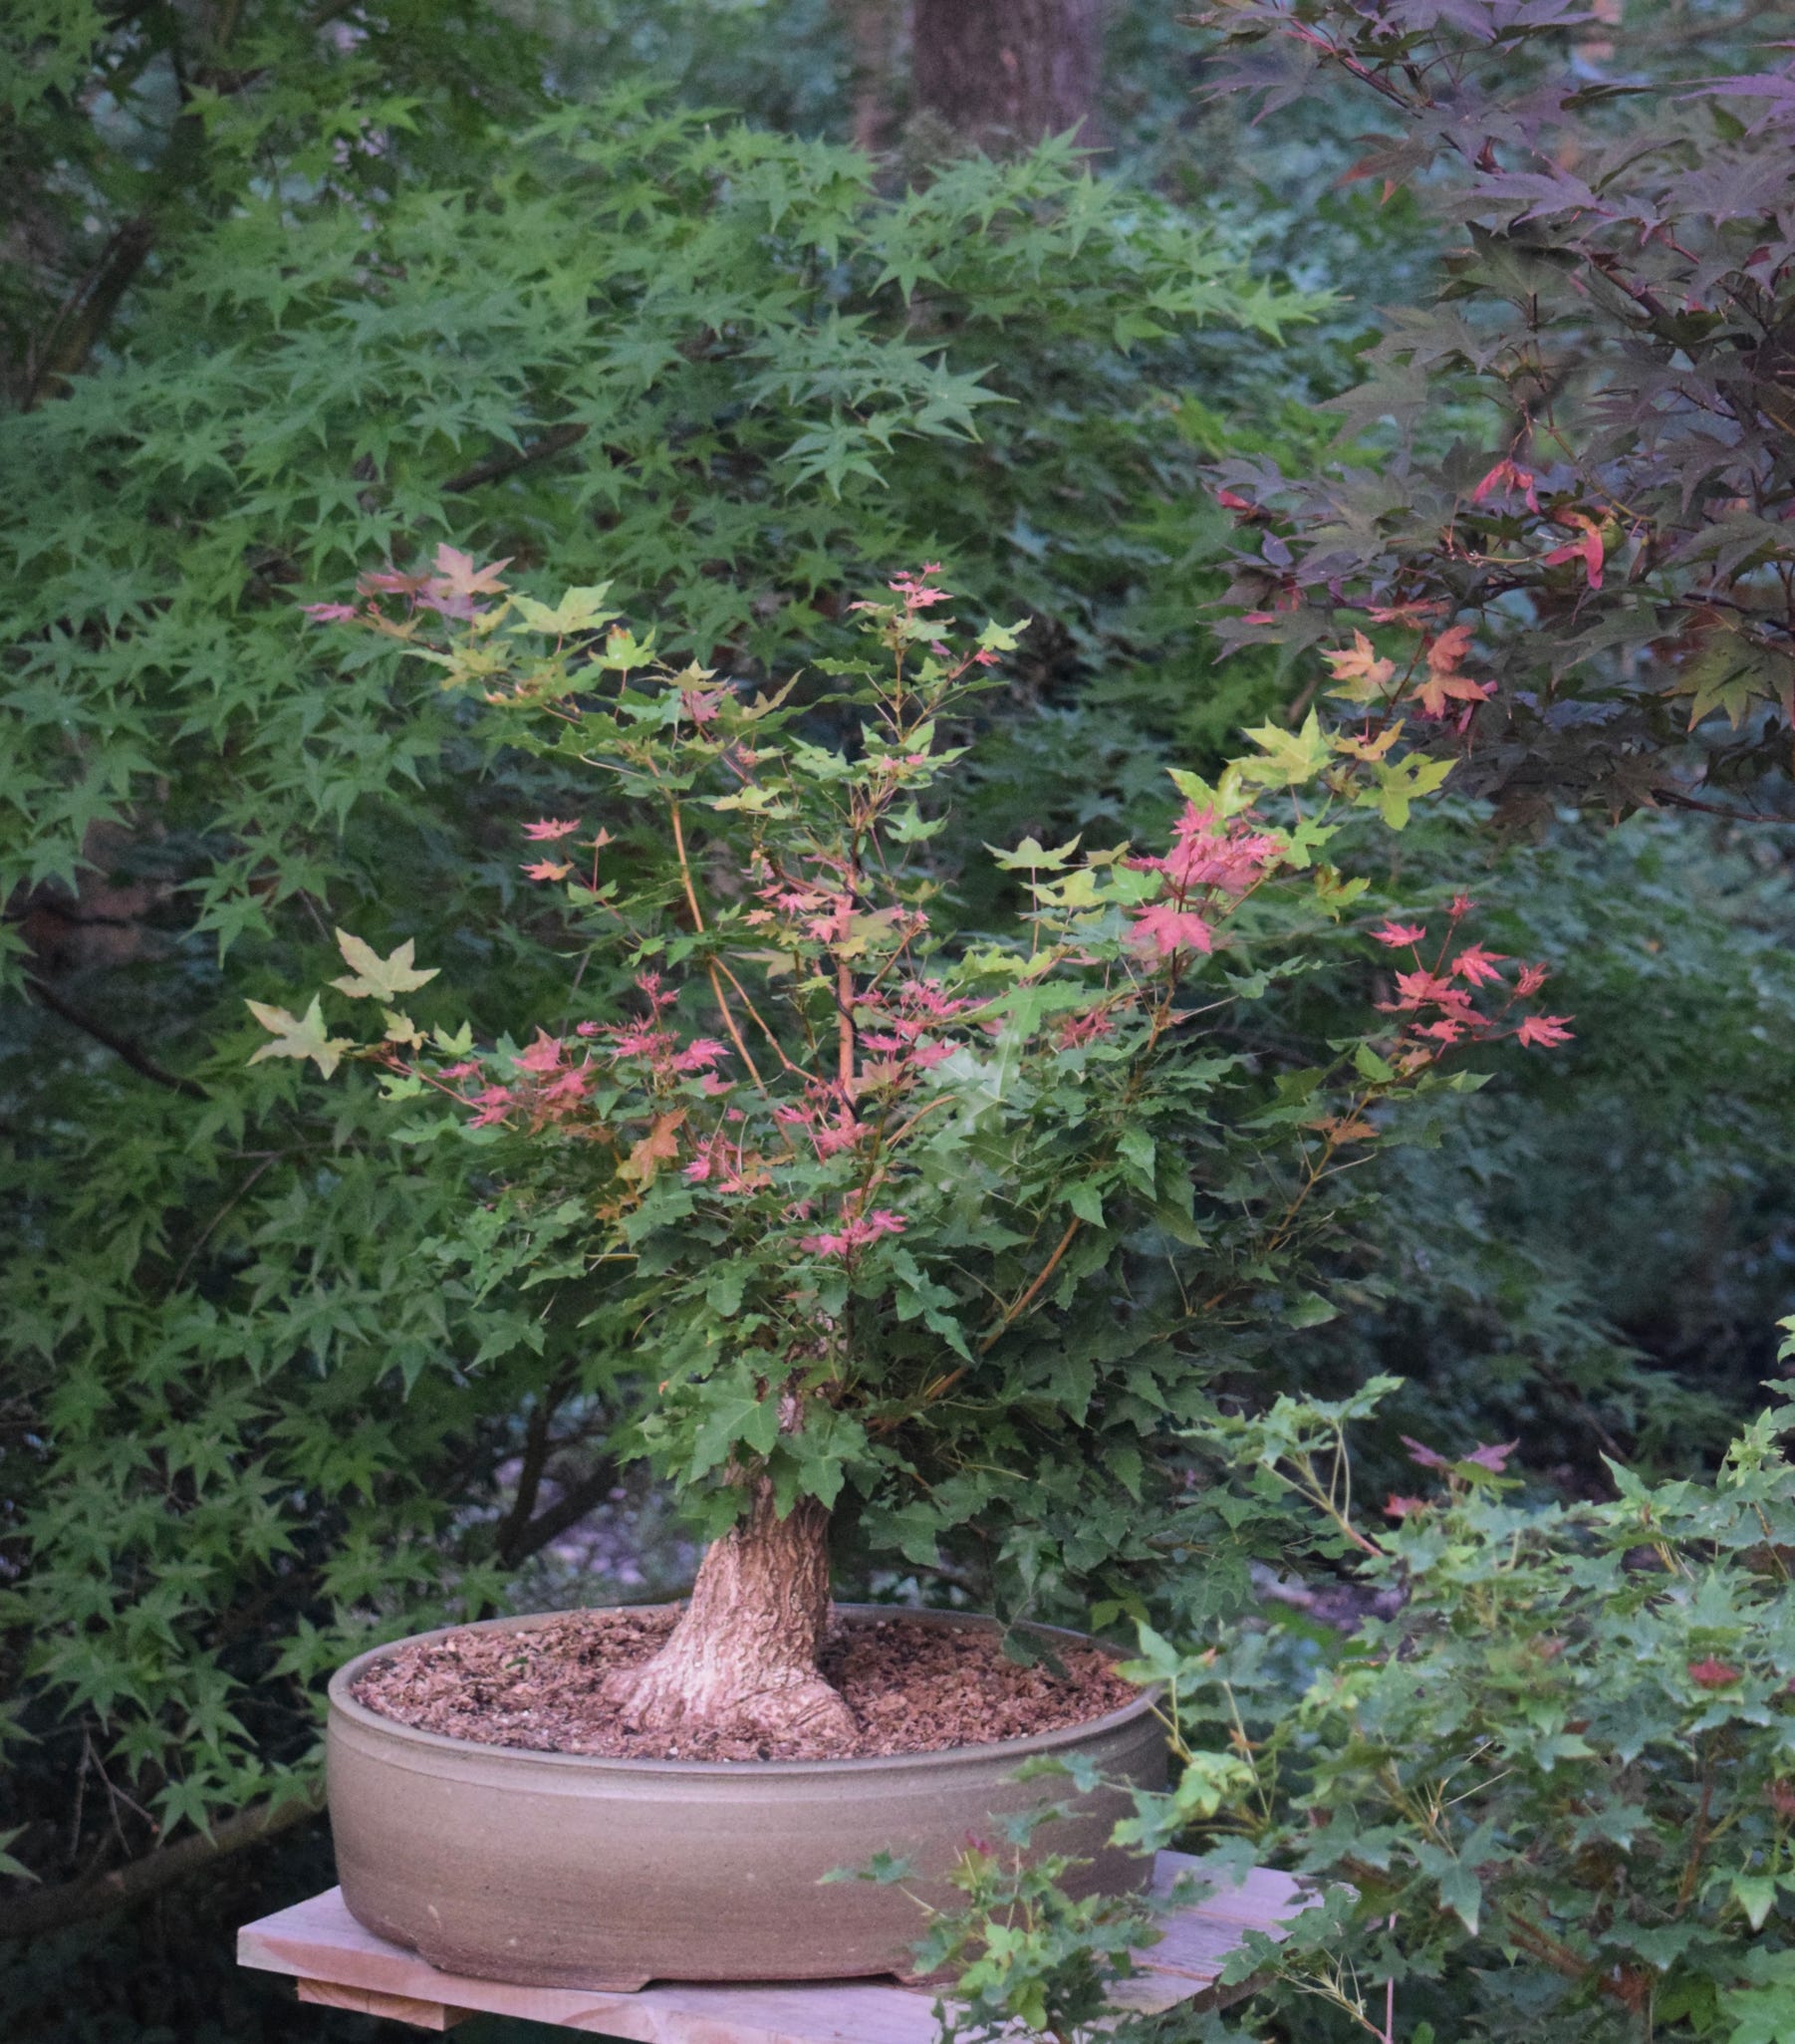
873 29
742 1661
1006 73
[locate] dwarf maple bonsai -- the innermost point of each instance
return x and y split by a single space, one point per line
946 1232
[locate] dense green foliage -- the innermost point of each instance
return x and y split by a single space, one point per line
1543 1790
292 300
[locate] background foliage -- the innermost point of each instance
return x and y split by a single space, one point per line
289 296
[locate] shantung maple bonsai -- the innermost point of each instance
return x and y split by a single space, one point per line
946 1231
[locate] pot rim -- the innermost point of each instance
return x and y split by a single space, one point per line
343 1705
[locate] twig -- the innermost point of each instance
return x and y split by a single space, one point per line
121 1047
77 1902
566 1511
497 466
1015 1311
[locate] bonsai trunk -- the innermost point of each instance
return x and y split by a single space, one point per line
742 1661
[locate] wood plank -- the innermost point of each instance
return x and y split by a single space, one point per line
320 1940
399 2008
340 1964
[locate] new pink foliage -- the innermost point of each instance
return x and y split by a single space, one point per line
1166 927
1214 859
854 1234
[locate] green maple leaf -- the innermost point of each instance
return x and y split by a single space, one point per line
374 978
299 1036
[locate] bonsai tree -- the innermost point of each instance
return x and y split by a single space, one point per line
940 1231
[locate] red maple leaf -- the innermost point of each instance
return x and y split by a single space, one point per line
1712 1674
1168 928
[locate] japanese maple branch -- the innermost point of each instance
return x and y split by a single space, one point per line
79 1902
121 1047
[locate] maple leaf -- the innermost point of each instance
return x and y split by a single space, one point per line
377 979
1712 1674
660 1145
1588 549
1429 1458
1478 965
544 1055
1494 1458
1366 676
548 870
299 1036
1544 1030
1167 929
1399 1507
459 577
1443 682
1396 935
550 827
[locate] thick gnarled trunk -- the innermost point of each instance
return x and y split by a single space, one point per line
742 1661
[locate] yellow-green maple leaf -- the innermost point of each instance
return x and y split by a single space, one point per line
299 1036
374 978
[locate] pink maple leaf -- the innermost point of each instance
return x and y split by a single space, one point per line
1167 929
1429 1458
1398 933
1507 476
1478 965
1588 549
1712 1674
550 827
1545 1030
1494 1458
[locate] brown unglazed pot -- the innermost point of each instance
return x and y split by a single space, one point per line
570 1871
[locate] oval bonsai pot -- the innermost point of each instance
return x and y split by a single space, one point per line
572 1871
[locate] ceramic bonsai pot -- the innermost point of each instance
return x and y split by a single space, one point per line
567 1870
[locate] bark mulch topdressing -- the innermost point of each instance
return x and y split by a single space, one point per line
913 1687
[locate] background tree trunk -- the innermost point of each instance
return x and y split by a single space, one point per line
1006 73
742 1661
875 32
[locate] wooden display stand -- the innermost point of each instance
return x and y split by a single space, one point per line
341 1965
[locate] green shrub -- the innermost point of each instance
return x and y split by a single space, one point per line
1555 1764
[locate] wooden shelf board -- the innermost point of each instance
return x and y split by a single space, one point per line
338 1964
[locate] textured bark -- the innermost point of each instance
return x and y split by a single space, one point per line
874 28
1006 73
742 1661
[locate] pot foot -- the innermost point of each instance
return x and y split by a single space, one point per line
583 1979
942 1977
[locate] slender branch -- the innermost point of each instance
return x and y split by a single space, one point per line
729 1023
121 1047
87 311
566 1511
34 1915
529 1480
497 466
1019 1307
